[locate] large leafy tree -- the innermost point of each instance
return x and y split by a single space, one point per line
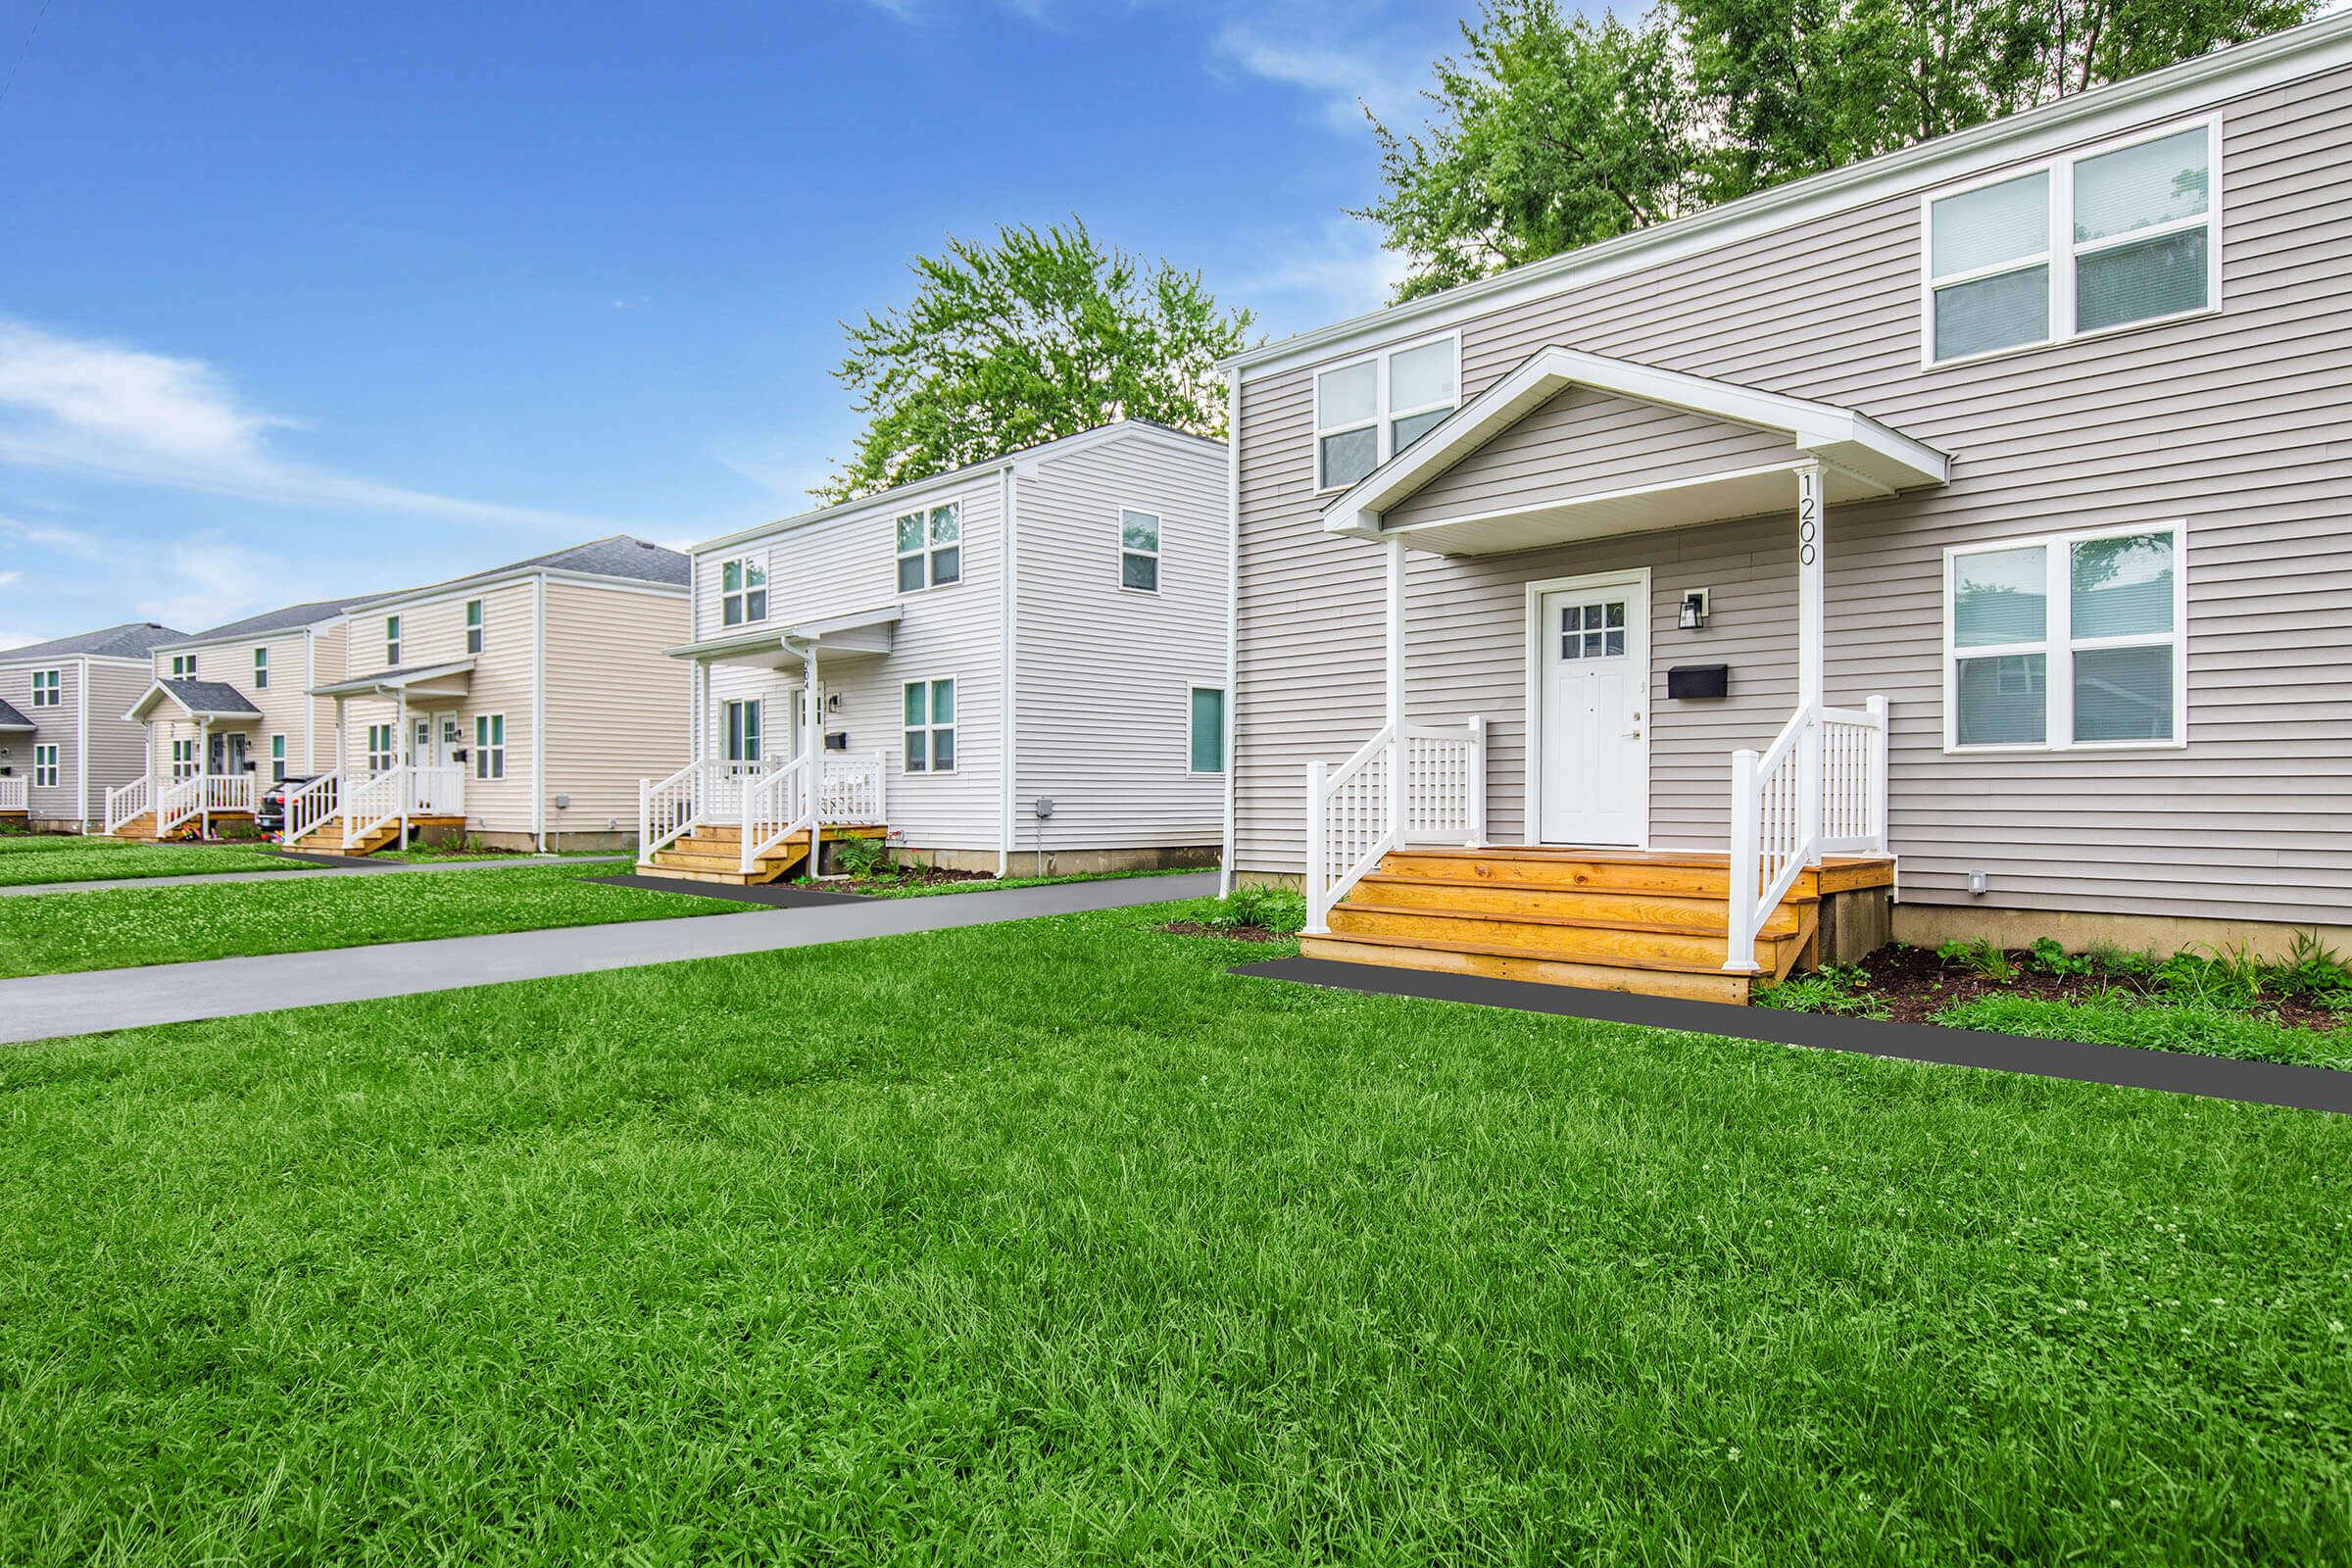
1552 132
1032 336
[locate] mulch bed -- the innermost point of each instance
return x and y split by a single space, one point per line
912 876
1914 985
1231 933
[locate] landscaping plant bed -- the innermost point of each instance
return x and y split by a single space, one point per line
1915 985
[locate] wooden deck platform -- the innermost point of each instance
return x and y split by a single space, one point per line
1648 922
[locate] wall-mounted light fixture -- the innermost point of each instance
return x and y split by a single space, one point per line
1694 616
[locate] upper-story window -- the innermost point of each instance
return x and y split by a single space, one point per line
474 625
1139 550
261 668
1369 411
392 640
2115 237
183 665
742 591
46 692
930 547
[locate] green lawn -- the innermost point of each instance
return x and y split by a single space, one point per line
29 858
52 933
1054 1242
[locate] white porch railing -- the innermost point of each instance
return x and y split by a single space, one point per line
370 803
230 792
1363 809
775 806
704 791
1820 787
310 806
129 802
854 791
177 804
15 793
439 789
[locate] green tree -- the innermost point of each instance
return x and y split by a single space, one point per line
1551 133
1028 338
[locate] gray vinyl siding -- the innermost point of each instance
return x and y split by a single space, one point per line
1104 710
1583 443
2234 425
112 686
117 747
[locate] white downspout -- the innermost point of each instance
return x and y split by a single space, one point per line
204 778
1396 684
81 750
539 713
813 774
403 743
1233 623
1008 664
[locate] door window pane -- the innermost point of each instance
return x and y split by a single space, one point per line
2124 694
2002 701
1991 224
1993 313
2142 280
2122 587
2000 596
2134 187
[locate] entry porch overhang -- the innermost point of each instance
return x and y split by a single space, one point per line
449 682
860 633
1855 457
194 702
12 722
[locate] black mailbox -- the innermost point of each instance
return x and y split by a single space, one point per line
1699 680
837 741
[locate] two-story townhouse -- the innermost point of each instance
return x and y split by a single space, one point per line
1627 619
1017 664
234 705
518 705
64 741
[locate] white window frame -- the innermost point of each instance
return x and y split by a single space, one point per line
51 681
44 760
184 667
737 603
1224 699
261 668
474 626
2058 644
1158 528
183 758
930 727
754 735
489 747
1384 418
926 548
2060 253
392 630
278 758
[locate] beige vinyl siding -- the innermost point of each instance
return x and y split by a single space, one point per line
328 643
848 563
285 705
1581 443
615 701
504 682
2233 425
1103 709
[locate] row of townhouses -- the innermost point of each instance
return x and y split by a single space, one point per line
1957 543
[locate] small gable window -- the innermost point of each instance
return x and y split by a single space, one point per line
930 547
1369 411
474 626
742 591
1139 550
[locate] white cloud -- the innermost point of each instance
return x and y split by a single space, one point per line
1337 271
84 406
1345 63
79 543
8 579
209 578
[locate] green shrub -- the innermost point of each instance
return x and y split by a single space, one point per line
2311 969
1982 956
862 858
1272 908
1840 988
2116 1019
2050 957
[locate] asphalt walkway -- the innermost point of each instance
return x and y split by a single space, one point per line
42 1007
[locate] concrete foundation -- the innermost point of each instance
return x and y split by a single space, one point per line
1928 925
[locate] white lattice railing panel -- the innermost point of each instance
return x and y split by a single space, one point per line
15 793
854 791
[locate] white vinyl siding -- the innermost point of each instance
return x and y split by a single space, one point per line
1370 410
2124 235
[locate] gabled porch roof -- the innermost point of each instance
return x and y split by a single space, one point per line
209 702
451 680
1858 458
847 635
14 722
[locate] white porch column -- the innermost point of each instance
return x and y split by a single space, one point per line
403 745
1395 689
204 778
813 722
1809 659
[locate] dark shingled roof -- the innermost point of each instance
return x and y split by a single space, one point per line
621 557
282 620
133 639
209 697
10 718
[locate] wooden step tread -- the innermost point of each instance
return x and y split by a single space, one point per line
1782 922
1622 909
1628 949
1457 957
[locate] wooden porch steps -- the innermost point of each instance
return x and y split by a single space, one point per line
715 854
140 829
1651 923
328 837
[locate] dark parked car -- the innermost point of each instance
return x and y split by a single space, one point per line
269 815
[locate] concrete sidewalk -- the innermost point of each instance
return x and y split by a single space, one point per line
43 1007
310 868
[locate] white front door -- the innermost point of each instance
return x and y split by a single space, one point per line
1591 712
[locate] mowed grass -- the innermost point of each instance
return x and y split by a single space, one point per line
30 857
114 928
1054 1242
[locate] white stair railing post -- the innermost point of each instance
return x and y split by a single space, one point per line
1878 755
1808 788
1739 947
1477 837
1318 900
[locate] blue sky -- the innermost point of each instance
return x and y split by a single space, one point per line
298 300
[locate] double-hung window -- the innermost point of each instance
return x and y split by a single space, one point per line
2071 641
743 730
44 767
931 726
2115 237
392 641
183 759
47 691
930 547
1369 411
474 626
742 591
1208 729
183 665
278 758
379 749
261 668
489 745
1139 550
